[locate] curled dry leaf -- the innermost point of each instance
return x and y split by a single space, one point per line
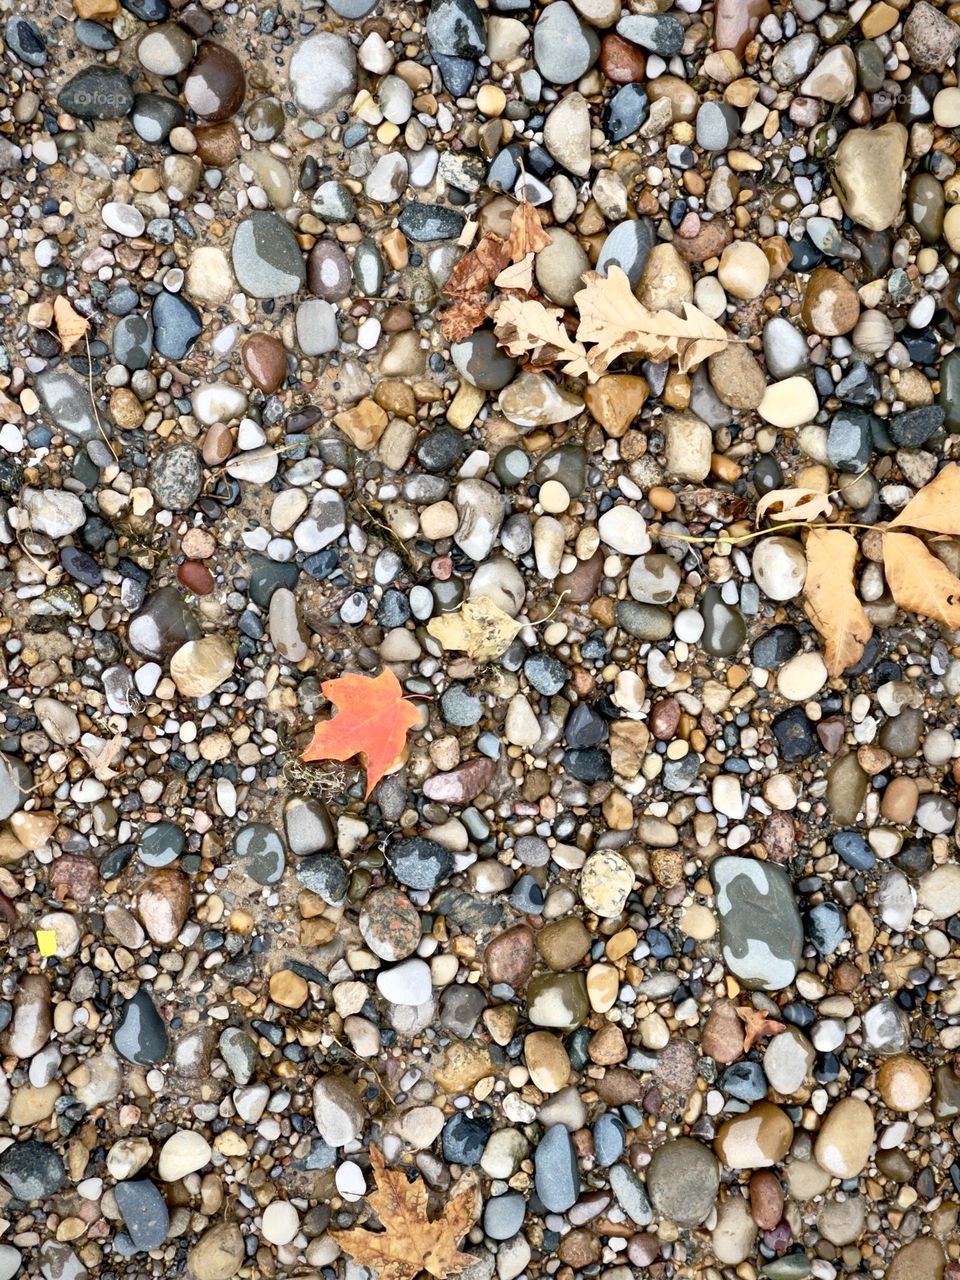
479 627
831 601
528 328
70 326
101 758
918 581
935 507
794 504
409 1242
519 275
526 232
611 317
469 286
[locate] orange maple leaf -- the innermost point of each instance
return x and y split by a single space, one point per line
371 720
410 1242
757 1025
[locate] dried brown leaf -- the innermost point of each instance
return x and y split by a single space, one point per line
70 326
479 627
519 275
410 1242
478 268
100 759
527 328
918 581
831 602
611 317
936 507
463 316
526 232
794 504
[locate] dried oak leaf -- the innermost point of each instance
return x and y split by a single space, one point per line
611 317
525 327
410 1242
526 232
757 1025
101 758
479 627
918 581
371 720
463 316
831 601
469 284
518 275
794 505
70 326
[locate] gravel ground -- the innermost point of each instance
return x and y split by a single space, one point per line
650 935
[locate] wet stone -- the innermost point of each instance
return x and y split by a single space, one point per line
760 928
140 1035
97 93
176 325
144 1213
32 1170
556 1173
419 863
266 258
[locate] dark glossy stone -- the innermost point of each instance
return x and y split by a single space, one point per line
625 112
176 325
216 84
140 1035
32 1170
423 222
97 93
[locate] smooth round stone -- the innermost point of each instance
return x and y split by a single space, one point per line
802 677
939 891
683 1179
316 326
761 932
328 271
757 1139
558 1000
788 1061
785 349
133 342
455 29
407 983
280 1222
419 863
265 361
556 1173
482 362
266 257
560 267
176 477
264 120
846 1136
779 567
163 625
626 111
904 1083
790 403
724 630
124 219
307 824
831 305
165 51
23 38
868 174
216 84
176 325
161 843
717 126
564 47
425 222
390 924
606 882
946 108
921 1259
323 70
183 1153
140 1034
654 579
926 205
261 849
503 1215
624 530
744 270
32 1170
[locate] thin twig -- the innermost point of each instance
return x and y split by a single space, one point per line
740 538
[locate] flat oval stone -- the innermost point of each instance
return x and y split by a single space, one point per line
32 1170
144 1213
140 1035
97 93
328 271
322 71
176 477
556 1174
265 361
760 929
843 1144
683 1178
266 257
176 325
261 849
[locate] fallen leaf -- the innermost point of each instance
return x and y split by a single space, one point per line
371 720
519 275
935 507
831 602
526 232
70 326
525 327
410 1242
757 1025
918 581
479 627
463 316
478 268
794 504
101 758
611 317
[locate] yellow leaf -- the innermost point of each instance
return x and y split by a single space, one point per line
525 327
70 326
831 598
519 275
410 1242
479 627
936 507
794 504
918 581
611 317
526 232
47 942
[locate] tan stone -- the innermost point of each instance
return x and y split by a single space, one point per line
843 1144
615 400
904 1083
200 666
288 989
757 1139
547 1061
462 1065
363 424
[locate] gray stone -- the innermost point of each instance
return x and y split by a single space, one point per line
683 1178
322 71
564 47
760 930
144 1212
266 257
176 477
67 401
556 1174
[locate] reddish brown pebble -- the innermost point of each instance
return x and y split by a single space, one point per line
831 306
217 444
328 271
196 577
736 21
217 144
216 84
621 61
778 837
265 361
722 1037
509 957
766 1199
441 567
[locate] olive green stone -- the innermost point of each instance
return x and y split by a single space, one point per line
558 1000
724 629
761 934
949 397
683 1178
925 206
